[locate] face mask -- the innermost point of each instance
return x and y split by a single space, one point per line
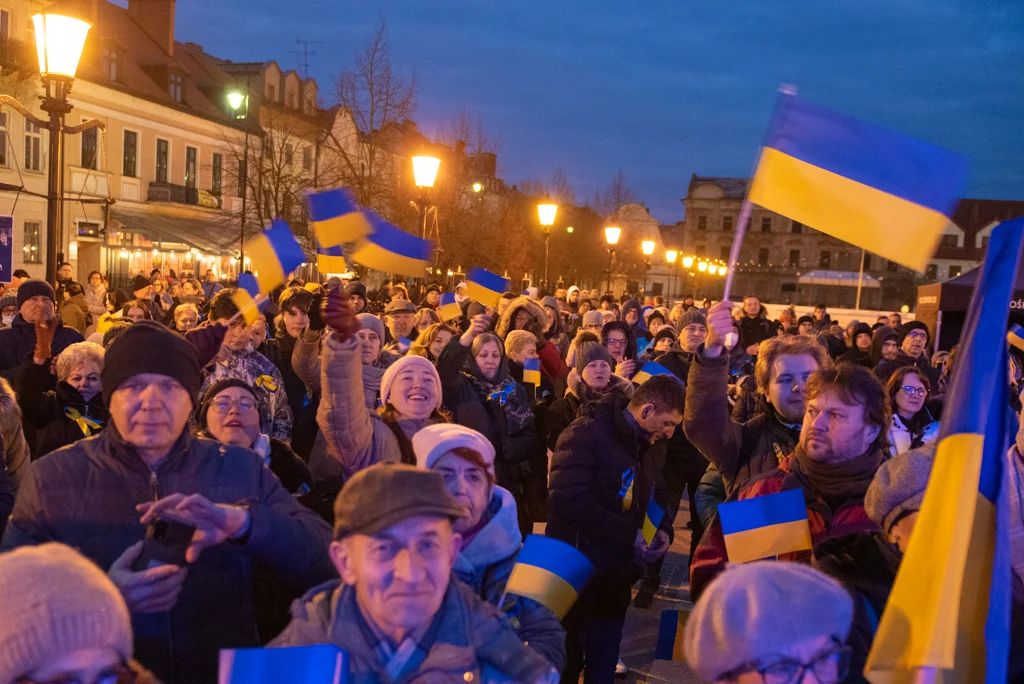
6 319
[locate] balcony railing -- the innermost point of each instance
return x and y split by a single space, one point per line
181 194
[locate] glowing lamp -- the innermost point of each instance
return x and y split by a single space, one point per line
59 43
611 235
424 171
702 266
687 262
671 255
546 213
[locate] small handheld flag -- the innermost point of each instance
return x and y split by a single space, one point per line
449 309
336 218
531 371
246 297
641 346
648 371
297 664
765 526
670 635
274 253
485 287
652 520
389 248
331 260
550 572
1016 336
404 344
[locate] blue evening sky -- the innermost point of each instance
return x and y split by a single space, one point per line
665 88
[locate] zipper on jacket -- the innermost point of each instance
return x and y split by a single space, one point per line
154 486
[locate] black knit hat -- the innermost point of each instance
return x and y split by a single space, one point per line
691 316
804 319
356 288
35 288
589 352
663 332
149 347
903 331
140 282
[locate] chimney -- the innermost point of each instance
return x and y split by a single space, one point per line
156 17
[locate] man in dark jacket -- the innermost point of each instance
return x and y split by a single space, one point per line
142 290
35 305
74 313
754 327
605 467
912 339
99 494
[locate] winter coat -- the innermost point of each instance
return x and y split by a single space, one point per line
16 455
257 371
567 409
214 610
96 300
485 565
210 289
301 401
306 358
856 357
74 313
755 330
881 336
885 369
551 363
47 410
920 430
740 452
848 518
677 361
474 643
600 484
18 341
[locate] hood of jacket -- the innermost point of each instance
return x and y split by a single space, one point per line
579 389
631 305
523 303
497 540
881 336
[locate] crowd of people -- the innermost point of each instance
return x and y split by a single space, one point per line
361 468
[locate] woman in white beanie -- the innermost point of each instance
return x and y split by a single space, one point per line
490 531
63 620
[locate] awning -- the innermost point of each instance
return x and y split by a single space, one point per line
838 278
209 231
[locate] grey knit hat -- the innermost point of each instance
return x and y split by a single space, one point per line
371 322
691 316
550 301
589 352
592 318
756 610
898 486
54 601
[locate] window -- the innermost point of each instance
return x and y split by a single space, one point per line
932 272
766 224
216 170
984 241
88 229
162 153
3 140
130 162
699 250
954 270
289 154
724 252
702 222
240 190
797 227
794 257
5 25
89 148
307 158
33 147
33 252
191 155
111 64
271 92
949 241
825 260
727 223
175 86
762 256
867 262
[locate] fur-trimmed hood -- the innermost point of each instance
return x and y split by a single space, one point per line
518 304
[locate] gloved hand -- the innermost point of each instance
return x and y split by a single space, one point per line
316 317
45 331
207 339
337 313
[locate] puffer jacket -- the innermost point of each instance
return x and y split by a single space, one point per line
51 411
214 610
258 371
567 409
474 643
485 565
302 402
551 363
922 429
18 341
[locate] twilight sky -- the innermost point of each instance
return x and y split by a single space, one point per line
665 88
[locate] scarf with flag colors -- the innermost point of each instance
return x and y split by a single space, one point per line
765 526
550 572
948 612
389 248
336 217
531 372
875 188
295 664
246 297
274 254
449 309
485 287
648 371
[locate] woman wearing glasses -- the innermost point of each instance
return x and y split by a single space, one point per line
912 424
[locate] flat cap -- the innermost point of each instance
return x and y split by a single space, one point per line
898 486
400 306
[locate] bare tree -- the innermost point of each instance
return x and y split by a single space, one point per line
468 128
561 191
618 193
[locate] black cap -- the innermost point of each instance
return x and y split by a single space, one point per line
35 288
149 347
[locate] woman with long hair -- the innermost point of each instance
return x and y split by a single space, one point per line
432 341
912 423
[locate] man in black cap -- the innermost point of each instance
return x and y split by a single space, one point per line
912 338
100 494
36 302
397 611
142 290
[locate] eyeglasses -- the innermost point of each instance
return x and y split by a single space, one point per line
119 674
612 340
223 406
911 391
829 667
918 335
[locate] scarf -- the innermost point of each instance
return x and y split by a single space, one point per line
518 413
838 483
371 382
585 393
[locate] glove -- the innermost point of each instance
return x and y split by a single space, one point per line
316 317
207 340
338 313
45 331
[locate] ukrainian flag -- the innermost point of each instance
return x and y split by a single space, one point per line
765 526
866 185
648 371
336 217
550 572
245 297
274 253
389 248
1016 336
485 287
531 372
295 664
652 520
331 259
449 309
948 613
670 635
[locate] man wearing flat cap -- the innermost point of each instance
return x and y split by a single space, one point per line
399 317
397 611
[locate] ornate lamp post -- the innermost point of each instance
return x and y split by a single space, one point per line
611 236
237 100
546 212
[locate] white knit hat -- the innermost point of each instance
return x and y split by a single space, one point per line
434 441
401 364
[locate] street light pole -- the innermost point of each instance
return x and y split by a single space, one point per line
57 106
235 101
611 236
546 212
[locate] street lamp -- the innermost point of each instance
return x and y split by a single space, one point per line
702 266
670 258
424 173
647 247
236 100
478 187
569 230
687 261
546 212
611 236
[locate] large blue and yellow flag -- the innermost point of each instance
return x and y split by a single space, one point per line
485 287
336 217
948 613
648 371
869 186
449 309
274 253
331 259
550 572
389 248
246 298
295 664
765 526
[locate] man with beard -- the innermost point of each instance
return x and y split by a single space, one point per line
912 339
